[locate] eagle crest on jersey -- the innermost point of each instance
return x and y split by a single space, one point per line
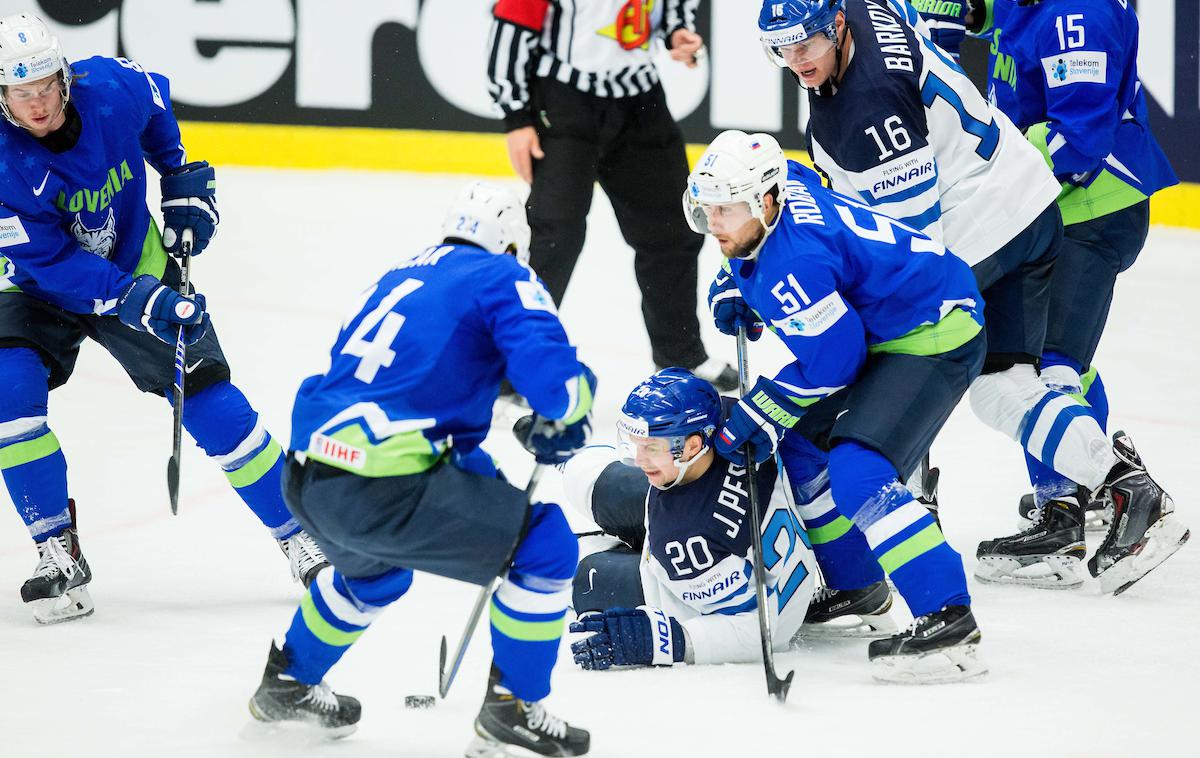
98 241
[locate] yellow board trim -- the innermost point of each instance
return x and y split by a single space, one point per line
477 154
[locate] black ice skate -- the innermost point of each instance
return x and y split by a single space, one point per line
508 727
282 701
57 591
938 648
1048 555
717 373
850 613
305 556
1097 512
1144 531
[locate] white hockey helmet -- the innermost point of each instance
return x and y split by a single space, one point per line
491 217
736 168
29 52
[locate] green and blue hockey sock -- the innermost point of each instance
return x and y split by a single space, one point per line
528 608
35 470
333 615
224 425
906 541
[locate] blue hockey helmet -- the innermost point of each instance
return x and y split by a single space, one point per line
673 404
805 26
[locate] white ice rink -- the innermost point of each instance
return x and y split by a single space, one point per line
186 606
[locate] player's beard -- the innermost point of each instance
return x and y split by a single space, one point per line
744 248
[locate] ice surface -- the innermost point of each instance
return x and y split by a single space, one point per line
186 606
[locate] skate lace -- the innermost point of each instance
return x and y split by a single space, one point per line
539 719
321 696
303 552
55 558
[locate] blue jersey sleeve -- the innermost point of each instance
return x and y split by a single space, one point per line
541 362
42 249
161 141
1082 58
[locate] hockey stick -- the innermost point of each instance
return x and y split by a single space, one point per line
776 687
446 677
185 264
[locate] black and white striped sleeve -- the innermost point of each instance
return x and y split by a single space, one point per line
512 47
679 14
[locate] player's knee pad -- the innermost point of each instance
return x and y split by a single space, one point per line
549 549
1003 400
26 388
372 592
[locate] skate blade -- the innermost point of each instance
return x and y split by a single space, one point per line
75 603
298 732
483 747
1052 572
946 666
850 627
1161 541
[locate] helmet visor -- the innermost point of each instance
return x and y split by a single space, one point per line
716 218
801 55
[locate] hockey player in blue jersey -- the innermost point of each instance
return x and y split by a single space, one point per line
386 472
1081 104
679 588
886 332
896 123
81 256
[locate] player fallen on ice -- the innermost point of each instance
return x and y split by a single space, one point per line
886 333
81 257
1069 81
385 471
895 123
677 588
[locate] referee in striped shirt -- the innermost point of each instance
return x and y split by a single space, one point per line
582 103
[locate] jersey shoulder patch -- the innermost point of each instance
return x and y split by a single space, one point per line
815 319
1075 67
534 296
12 232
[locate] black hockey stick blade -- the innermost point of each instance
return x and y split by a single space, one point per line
778 688
443 685
173 484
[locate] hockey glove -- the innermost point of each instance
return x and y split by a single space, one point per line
189 201
730 310
947 24
148 305
758 420
643 636
552 442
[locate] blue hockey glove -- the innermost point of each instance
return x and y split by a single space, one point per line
642 636
730 310
148 305
759 419
552 442
189 201
947 23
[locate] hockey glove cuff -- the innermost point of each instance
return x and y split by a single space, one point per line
729 308
148 305
758 421
642 636
189 201
947 24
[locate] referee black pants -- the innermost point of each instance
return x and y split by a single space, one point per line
634 149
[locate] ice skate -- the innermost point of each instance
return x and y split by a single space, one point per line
1048 555
508 727
57 591
938 648
849 613
305 556
282 701
1144 531
1097 513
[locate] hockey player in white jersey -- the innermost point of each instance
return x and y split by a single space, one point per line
896 123
680 589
